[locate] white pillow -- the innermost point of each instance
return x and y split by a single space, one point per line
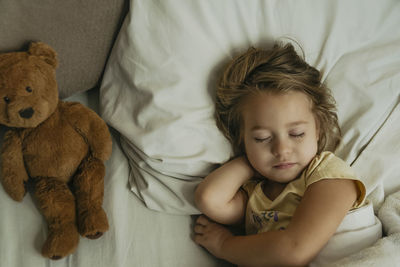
158 88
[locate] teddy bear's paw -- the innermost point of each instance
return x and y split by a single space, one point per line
14 187
93 223
18 195
61 242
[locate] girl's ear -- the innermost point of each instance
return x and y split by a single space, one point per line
44 52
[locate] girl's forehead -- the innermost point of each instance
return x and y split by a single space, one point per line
269 108
277 100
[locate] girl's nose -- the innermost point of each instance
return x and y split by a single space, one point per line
280 147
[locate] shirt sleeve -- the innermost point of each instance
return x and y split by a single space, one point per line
329 166
249 187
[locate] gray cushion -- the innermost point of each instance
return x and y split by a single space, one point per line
82 33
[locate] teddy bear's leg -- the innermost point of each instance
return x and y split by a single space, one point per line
89 190
58 207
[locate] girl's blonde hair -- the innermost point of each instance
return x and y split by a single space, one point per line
276 70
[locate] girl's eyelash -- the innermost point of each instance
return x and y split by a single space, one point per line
260 140
297 135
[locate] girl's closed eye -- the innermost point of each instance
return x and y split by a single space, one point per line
297 135
262 139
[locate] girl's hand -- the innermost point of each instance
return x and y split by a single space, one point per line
211 235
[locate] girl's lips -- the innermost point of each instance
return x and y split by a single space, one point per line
285 165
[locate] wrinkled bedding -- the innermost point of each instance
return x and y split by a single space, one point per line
159 84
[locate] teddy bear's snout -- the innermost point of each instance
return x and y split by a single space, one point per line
26 113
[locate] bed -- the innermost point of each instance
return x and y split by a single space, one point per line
157 96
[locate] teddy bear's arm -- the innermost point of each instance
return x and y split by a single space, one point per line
12 166
93 129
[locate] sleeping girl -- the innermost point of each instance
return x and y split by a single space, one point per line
285 185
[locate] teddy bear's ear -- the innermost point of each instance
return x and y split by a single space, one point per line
45 52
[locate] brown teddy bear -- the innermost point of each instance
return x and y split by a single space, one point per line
60 146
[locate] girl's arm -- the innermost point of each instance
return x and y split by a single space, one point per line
218 195
323 207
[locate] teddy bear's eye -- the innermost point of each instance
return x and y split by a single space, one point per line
6 99
29 89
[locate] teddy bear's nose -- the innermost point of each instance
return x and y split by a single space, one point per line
26 113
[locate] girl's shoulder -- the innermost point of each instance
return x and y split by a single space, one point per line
328 166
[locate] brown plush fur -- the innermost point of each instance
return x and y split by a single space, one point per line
59 145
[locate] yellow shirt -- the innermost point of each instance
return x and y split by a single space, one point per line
263 215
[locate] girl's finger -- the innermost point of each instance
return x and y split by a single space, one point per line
202 220
198 239
199 229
